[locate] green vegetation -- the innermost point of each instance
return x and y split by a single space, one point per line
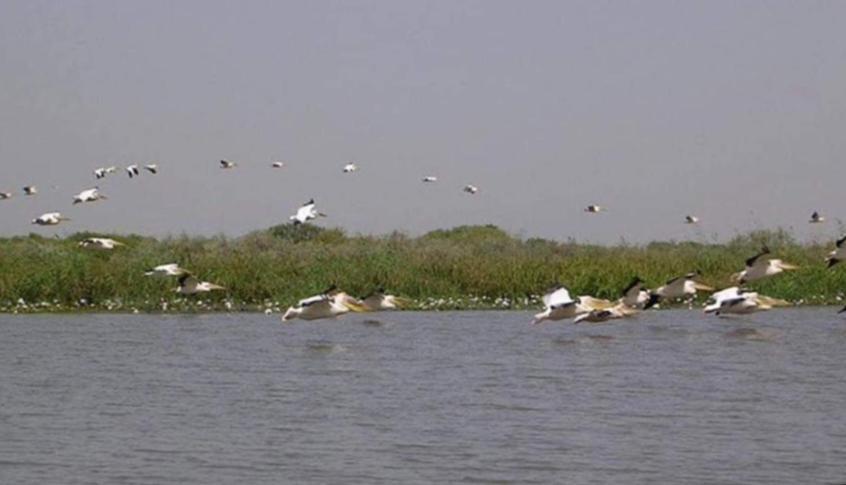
464 267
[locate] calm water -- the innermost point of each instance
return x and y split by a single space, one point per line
668 397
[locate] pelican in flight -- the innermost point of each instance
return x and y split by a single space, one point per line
90 195
132 170
350 167
430 179
190 285
379 300
471 189
306 212
688 219
103 171
678 287
30 190
839 253
152 168
99 243
5 195
277 164
49 219
758 267
595 209
739 301
603 315
559 305
171 269
227 164
635 295
816 218
329 304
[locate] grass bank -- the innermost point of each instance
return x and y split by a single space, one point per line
461 268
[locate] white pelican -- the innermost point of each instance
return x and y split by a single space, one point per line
430 178
132 170
190 285
103 171
227 164
90 195
350 167
816 218
603 315
277 164
100 243
379 300
839 253
5 195
30 190
635 295
559 305
471 189
329 304
740 301
679 287
691 219
757 267
306 212
49 219
595 209
171 269
153 168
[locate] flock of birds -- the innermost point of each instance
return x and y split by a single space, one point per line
558 304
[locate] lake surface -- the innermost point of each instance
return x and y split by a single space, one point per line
451 397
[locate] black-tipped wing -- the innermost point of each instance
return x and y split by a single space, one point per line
754 259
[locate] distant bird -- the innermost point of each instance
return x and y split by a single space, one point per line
757 267
595 209
603 315
471 189
100 243
5 195
691 219
132 171
89 195
839 253
678 287
171 269
190 285
30 190
816 218
735 300
430 178
635 295
350 167
277 164
227 164
306 212
49 219
379 300
103 171
329 304
153 168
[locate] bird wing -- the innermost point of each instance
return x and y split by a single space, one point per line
312 300
840 242
754 259
635 285
557 297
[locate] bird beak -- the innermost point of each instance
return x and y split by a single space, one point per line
403 302
789 266
701 287
355 307
322 214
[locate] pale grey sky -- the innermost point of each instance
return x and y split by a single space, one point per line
731 110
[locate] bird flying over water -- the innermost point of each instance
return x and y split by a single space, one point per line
49 219
227 164
329 304
758 267
89 195
688 219
739 301
103 171
190 285
471 189
678 287
816 218
605 314
306 212
635 295
379 300
153 168
132 170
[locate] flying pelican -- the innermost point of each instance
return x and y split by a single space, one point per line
350 167
330 304
132 170
153 168
190 285
103 171
677 287
471 189
691 219
30 190
603 315
740 301
49 219
757 267
559 305
90 195
379 300
595 209
816 218
100 243
305 213
227 164
635 295
430 178
5 195
277 164
171 269
839 253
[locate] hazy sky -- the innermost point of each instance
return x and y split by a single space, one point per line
731 110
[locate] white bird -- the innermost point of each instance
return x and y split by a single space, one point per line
277 164
635 295
350 167
306 213
5 195
132 170
190 285
152 168
171 269
89 195
227 164
559 305
471 189
30 190
839 253
691 219
679 287
49 219
100 243
739 301
603 315
329 304
757 267
103 171
816 218
430 178
595 209
379 300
